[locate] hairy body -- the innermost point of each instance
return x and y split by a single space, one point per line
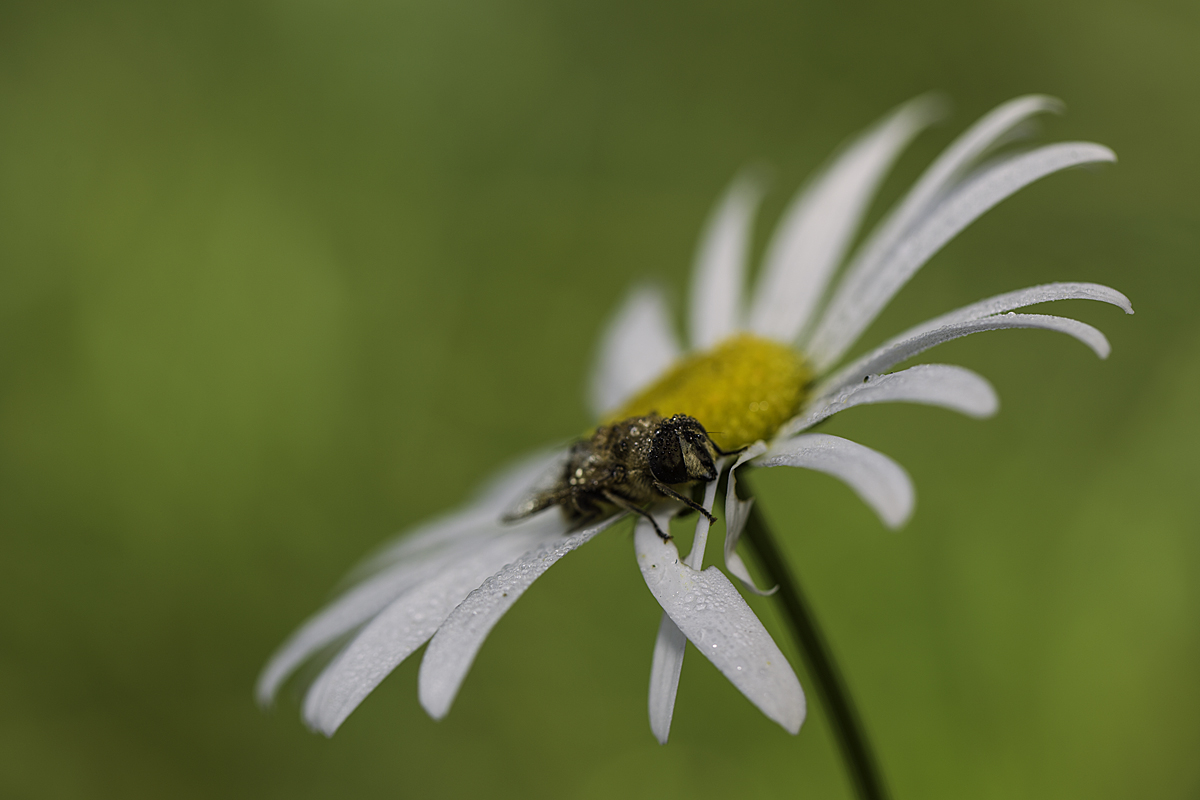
628 465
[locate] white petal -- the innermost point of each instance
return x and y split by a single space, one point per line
737 511
408 623
426 540
1029 296
695 558
713 616
637 347
720 270
956 388
910 344
819 224
880 482
966 203
665 667
453 649
837 330
343 615
669 644
400 564
498 493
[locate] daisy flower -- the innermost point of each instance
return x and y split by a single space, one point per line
763 368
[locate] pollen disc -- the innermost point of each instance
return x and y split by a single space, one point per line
741 391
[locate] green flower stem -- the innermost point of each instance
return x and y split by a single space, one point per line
831 687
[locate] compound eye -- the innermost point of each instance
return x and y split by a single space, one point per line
696 458
666 456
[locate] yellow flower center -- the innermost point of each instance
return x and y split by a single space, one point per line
741 391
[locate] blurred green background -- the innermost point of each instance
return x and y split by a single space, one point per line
278 279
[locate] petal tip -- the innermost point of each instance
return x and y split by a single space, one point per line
1049 103
898 517
929 108
264 692
436 707
989 404
325 727
794 717
1103 153
1082 154
737 569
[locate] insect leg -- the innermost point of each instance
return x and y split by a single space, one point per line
687 501
621 502
532 505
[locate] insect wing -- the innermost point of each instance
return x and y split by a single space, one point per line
544 492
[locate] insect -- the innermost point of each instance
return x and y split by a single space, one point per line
627 465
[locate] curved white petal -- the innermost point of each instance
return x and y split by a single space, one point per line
432 536
456 643
637 347
910 344
966 203
347 612
497 495
720 271
880 482
666 663
737 511
713 616
1032 295
695 557
669 644
407 623
956 388
836 330
665 666
810 241
402 563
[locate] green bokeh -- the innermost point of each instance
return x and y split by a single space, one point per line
278 279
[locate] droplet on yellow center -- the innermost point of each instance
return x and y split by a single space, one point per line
741 391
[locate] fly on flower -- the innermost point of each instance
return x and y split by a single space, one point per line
762 370
626 465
